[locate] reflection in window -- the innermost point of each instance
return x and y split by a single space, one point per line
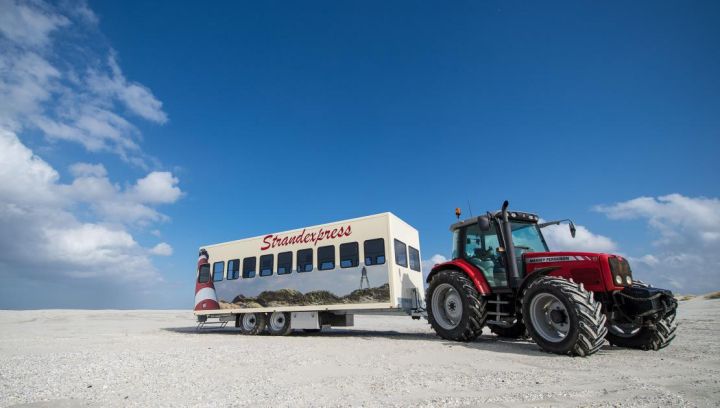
414 259
233 270
305 260
204 275
218 269
326 257
266 265
284 263
249 265
374 251
349 255
400 253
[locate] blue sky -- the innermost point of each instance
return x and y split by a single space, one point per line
244 119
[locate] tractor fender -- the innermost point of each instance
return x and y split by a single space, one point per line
536 274
461 265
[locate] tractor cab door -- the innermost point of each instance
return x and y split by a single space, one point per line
480 248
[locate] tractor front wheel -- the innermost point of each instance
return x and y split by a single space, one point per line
643 338
456 311
563 318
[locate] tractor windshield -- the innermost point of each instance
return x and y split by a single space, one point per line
527 238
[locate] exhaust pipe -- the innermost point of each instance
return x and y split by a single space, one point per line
512 268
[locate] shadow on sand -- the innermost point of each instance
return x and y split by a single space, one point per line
492 343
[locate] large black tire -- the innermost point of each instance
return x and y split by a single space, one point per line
515 331
252 323
278 323
647 338
470 322
586 324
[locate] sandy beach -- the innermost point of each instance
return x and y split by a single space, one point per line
67 358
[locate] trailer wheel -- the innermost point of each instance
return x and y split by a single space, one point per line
514 331
643 338
456 311
252 323
279 324
563 318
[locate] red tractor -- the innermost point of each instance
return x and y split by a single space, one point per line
504 276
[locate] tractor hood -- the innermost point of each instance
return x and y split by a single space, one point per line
598 270
555 257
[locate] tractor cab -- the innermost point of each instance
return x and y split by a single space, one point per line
482 242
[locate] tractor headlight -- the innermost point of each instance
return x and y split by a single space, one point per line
618 279
628 280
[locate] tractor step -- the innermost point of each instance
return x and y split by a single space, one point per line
499 302
497 313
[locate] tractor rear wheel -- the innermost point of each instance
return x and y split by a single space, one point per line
644 338
513 331
456 311
563 318
252 323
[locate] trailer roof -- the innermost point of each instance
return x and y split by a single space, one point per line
384 214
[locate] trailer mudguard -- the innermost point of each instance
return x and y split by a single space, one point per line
467 268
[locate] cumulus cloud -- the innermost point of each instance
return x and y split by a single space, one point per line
69 96
28 24
427 264
42 236
162 249
558 238
685 253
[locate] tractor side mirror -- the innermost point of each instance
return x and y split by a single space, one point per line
484 223
572 229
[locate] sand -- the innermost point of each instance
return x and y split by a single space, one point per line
67 358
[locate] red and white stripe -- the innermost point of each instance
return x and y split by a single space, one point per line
205 296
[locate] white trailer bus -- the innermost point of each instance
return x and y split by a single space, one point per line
314 277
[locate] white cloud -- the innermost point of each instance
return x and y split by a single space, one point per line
558 238
88 170
44 239
156 187
162 249
136 97
28 23
678 219
68 96
427 264
685 254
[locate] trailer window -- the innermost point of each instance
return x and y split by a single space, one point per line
266 265
204 275
414 259
326 257
233 271
349 255
374 251
218 270
284 265
305 260
249 267
400 253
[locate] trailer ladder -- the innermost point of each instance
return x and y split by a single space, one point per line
203 323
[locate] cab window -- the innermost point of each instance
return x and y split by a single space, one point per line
480 249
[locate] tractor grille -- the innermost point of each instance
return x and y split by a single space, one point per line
620 267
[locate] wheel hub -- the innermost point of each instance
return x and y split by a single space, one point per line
447 306
277 321
549 317
249 321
